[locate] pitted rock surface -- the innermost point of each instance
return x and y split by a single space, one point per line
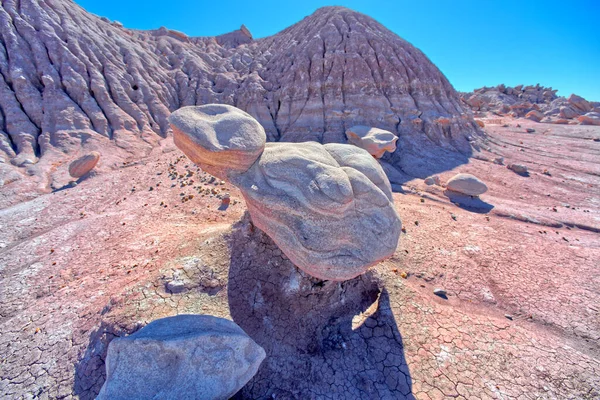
218 137
181 357
328 207
374 140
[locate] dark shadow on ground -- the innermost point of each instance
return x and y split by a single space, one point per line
305 326
469 203
74 183
90 372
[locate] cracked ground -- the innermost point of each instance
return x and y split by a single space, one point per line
81 266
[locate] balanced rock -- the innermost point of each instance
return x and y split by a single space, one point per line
329 208
181 357
374 140
518 168
218 137
84 164
466 184
591 118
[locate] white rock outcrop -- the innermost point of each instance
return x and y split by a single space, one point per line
181 357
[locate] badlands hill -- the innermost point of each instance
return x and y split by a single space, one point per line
150 235
73 82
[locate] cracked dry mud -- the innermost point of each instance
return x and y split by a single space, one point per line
119 254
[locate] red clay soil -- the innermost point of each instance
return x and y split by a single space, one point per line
520 267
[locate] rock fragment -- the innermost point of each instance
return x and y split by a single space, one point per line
374 140
518 168
591 118
84 164
433 180
466 184
181 357
534 115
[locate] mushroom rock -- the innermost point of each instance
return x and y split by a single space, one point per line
329 207
84 164
374 140
181 357
466 184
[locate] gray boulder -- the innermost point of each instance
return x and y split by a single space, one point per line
466 184
329 207
181 357
518 168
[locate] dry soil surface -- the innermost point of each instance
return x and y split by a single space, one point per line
520 267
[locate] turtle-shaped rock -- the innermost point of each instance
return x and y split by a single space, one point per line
329 207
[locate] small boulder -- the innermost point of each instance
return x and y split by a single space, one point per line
579 103
534 115
591 118
433 180
181 357
374 140
84 164
499 160
567 112
480 123
530 130
518 168
466 184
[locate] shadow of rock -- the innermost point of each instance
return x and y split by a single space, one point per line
469 203
90 372
323 339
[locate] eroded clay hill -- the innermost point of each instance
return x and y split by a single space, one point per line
73 82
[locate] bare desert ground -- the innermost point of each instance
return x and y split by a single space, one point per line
150 239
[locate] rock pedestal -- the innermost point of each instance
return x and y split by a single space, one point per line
328 207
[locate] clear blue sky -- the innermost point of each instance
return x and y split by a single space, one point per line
474 42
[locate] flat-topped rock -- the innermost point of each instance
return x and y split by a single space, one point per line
466 184
84 164
181 357
374 140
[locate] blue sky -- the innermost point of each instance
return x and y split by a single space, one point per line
474 43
